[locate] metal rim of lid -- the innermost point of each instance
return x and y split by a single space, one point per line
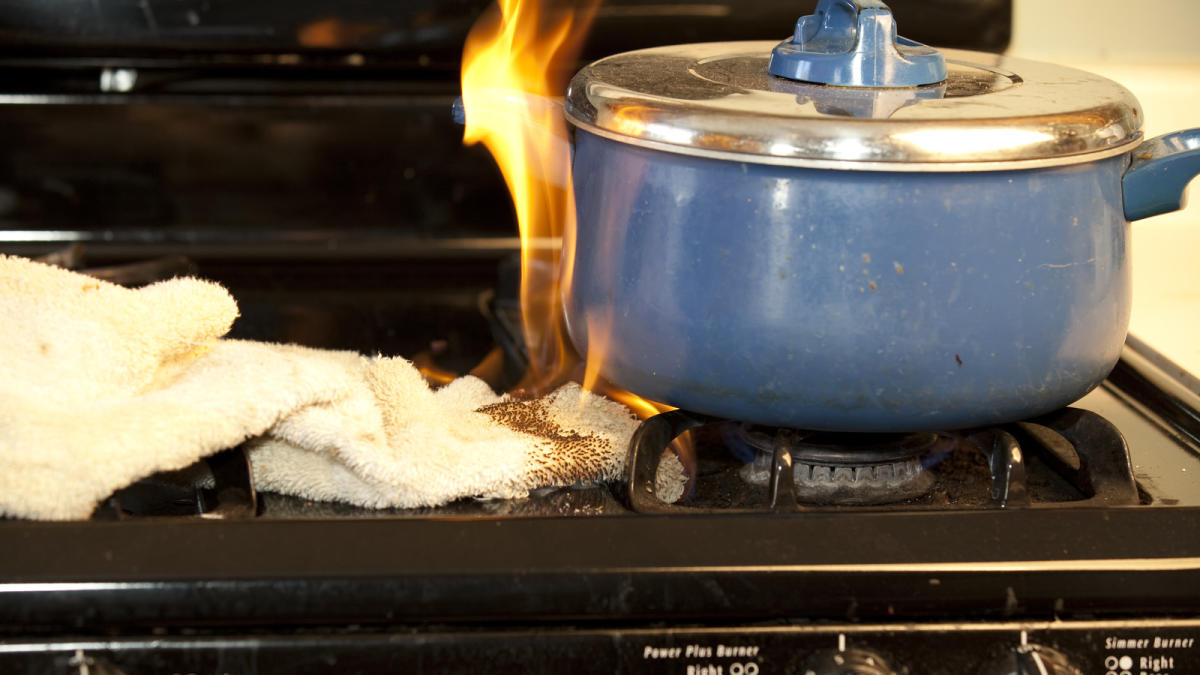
1048 115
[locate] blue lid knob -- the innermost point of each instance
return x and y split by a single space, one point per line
853 43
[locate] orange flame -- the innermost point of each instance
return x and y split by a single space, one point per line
510 83
512 78
642 407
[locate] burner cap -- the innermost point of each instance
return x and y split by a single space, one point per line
845 469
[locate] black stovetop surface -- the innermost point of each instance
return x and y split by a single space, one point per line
583 554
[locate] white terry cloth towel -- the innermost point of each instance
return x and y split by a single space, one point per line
101 385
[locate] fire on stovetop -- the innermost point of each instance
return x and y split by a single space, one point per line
508 80
514 68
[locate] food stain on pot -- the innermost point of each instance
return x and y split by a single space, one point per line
958 360
866 257
898 266
872 286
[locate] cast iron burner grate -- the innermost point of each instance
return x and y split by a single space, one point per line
1071 457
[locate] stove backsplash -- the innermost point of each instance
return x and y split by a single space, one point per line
431 32
287 130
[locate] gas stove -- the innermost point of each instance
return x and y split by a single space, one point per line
327 188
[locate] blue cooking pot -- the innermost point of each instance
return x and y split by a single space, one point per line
864 253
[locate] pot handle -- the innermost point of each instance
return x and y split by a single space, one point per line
1157 178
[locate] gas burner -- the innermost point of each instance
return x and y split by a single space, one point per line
1070 457
844 468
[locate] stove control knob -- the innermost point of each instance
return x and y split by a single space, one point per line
848 662
1034 660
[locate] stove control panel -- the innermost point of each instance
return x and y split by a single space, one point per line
1144 647
1160 647
848 662
1030 659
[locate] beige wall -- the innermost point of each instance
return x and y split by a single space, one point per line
1155 52
1097 31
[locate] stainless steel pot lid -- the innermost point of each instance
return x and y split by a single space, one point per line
718 100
